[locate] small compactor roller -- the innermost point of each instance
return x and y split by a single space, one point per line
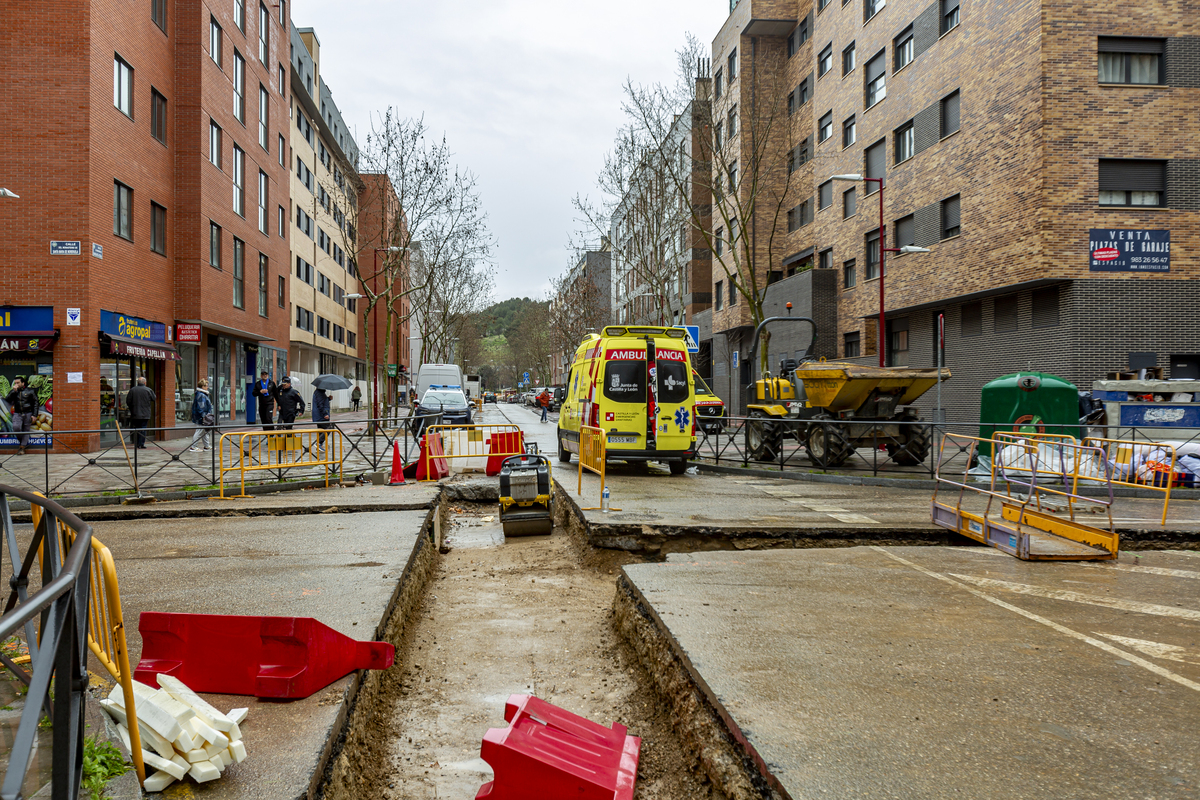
526 495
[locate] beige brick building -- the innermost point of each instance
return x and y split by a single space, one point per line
1017 142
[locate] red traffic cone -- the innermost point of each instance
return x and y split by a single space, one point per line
397 478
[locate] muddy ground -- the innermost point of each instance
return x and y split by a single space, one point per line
530 615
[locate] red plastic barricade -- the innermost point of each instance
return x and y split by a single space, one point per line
280 657
504 444
547 752
431 463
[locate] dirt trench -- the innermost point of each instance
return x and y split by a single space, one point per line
530 615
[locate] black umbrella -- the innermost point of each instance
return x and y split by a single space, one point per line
330 382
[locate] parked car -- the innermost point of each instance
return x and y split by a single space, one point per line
557 395
530 397
450 403
710 409
489 397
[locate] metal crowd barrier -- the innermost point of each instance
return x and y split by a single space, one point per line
253 451
593 447
472 441
57 648
1121 455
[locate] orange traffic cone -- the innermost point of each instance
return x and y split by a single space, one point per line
397 478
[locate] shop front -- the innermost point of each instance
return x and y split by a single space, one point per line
27 338
231 363
131 348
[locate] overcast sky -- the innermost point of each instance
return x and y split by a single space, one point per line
528 93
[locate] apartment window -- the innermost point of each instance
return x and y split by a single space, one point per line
797 37
323 284
849 274
733 176
825 127
825 60
214 143
872 7
350 339
304 173
264 33
717 81
304 319
263 278
239 14
304 270
264 105
239 87
719 241
263 188
339 334
1045 307
731 65
282 80
800 216
239 273
849 203
906 142
304 222
798 155
158 229
282 152
825 195
803 91
851 345
876 161
283 217
876 78
215 37
122 210
158 13
717 137
848 132
906 231
821 4
949 14
732 293
239 181
897 338
872 246
848 59
1131 60
283 17
791 102
903 45
352 306
731 123
950 114
158 116
950 217
1006 313
322 327
280 291
972 319
825 259
305 128
214 245
123 86
1130 182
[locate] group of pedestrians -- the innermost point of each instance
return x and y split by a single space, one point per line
23 403
268 394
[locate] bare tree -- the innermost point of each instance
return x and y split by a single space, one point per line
532 348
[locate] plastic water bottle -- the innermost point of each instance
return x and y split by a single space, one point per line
604 496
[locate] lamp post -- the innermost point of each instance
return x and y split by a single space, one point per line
375 326
882 240
9 194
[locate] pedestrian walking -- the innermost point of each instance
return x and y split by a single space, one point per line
355 398
140 401
24 404
203 417
266 391
544 401
290 404
321 412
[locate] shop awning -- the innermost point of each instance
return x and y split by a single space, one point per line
119 345
27 341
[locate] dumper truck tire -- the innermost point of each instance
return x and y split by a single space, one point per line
564 455
763 439
913 452
826 444
677 467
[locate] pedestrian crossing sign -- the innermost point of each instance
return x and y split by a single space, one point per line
693 337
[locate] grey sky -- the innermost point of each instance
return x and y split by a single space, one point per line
528 93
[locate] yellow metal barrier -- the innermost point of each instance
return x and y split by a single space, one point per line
251 451
106 627
593 449
470 441
1125 454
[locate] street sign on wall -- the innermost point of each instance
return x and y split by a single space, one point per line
1129 250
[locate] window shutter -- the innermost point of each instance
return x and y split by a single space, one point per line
950 213
950 114
1045 307
949 5
905 231
1130 44
876 160
876 67
1130 175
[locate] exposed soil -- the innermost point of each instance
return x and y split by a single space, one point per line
530 615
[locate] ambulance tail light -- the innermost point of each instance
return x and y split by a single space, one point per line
693 421
595 420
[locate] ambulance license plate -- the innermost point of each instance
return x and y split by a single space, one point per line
622 440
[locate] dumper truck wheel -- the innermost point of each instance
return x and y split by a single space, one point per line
826 445
913 452
677 467
763 439
564 455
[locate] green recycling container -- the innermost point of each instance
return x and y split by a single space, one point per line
1028 402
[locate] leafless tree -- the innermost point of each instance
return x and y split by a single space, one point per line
532 346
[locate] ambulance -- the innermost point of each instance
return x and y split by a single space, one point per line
634 383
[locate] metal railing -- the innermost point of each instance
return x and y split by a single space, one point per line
280 452
57 648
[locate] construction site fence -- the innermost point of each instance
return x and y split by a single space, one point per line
279 451
472 443
593 445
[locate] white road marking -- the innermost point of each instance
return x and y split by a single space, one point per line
1170 573
1077 597
1167 652
823 507
1105 646
854 518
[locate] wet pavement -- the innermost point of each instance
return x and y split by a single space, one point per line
944 672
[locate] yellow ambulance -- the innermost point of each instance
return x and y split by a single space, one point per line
634 383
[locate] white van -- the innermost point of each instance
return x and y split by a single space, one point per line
445 376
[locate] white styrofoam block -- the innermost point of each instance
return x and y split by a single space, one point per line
183 694
234 733
178 710
181 761
238 751
238 715
209 734
185 740
148 712
204 771
212 749
218 761
164 765
148 736
158 781
195 756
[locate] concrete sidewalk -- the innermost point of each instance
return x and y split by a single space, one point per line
932 672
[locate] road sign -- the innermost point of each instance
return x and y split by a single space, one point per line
693 338
525 375
61 248
735 359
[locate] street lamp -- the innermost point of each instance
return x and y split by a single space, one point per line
8 193
375 326
882 240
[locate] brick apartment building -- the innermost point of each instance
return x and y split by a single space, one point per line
148 237
1045 154
590 286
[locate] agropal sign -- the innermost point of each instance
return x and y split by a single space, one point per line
1125 250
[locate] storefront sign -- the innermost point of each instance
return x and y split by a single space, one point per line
74 317
139 350
1125 250
61 248
128 327
187 332
27 319
32 344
